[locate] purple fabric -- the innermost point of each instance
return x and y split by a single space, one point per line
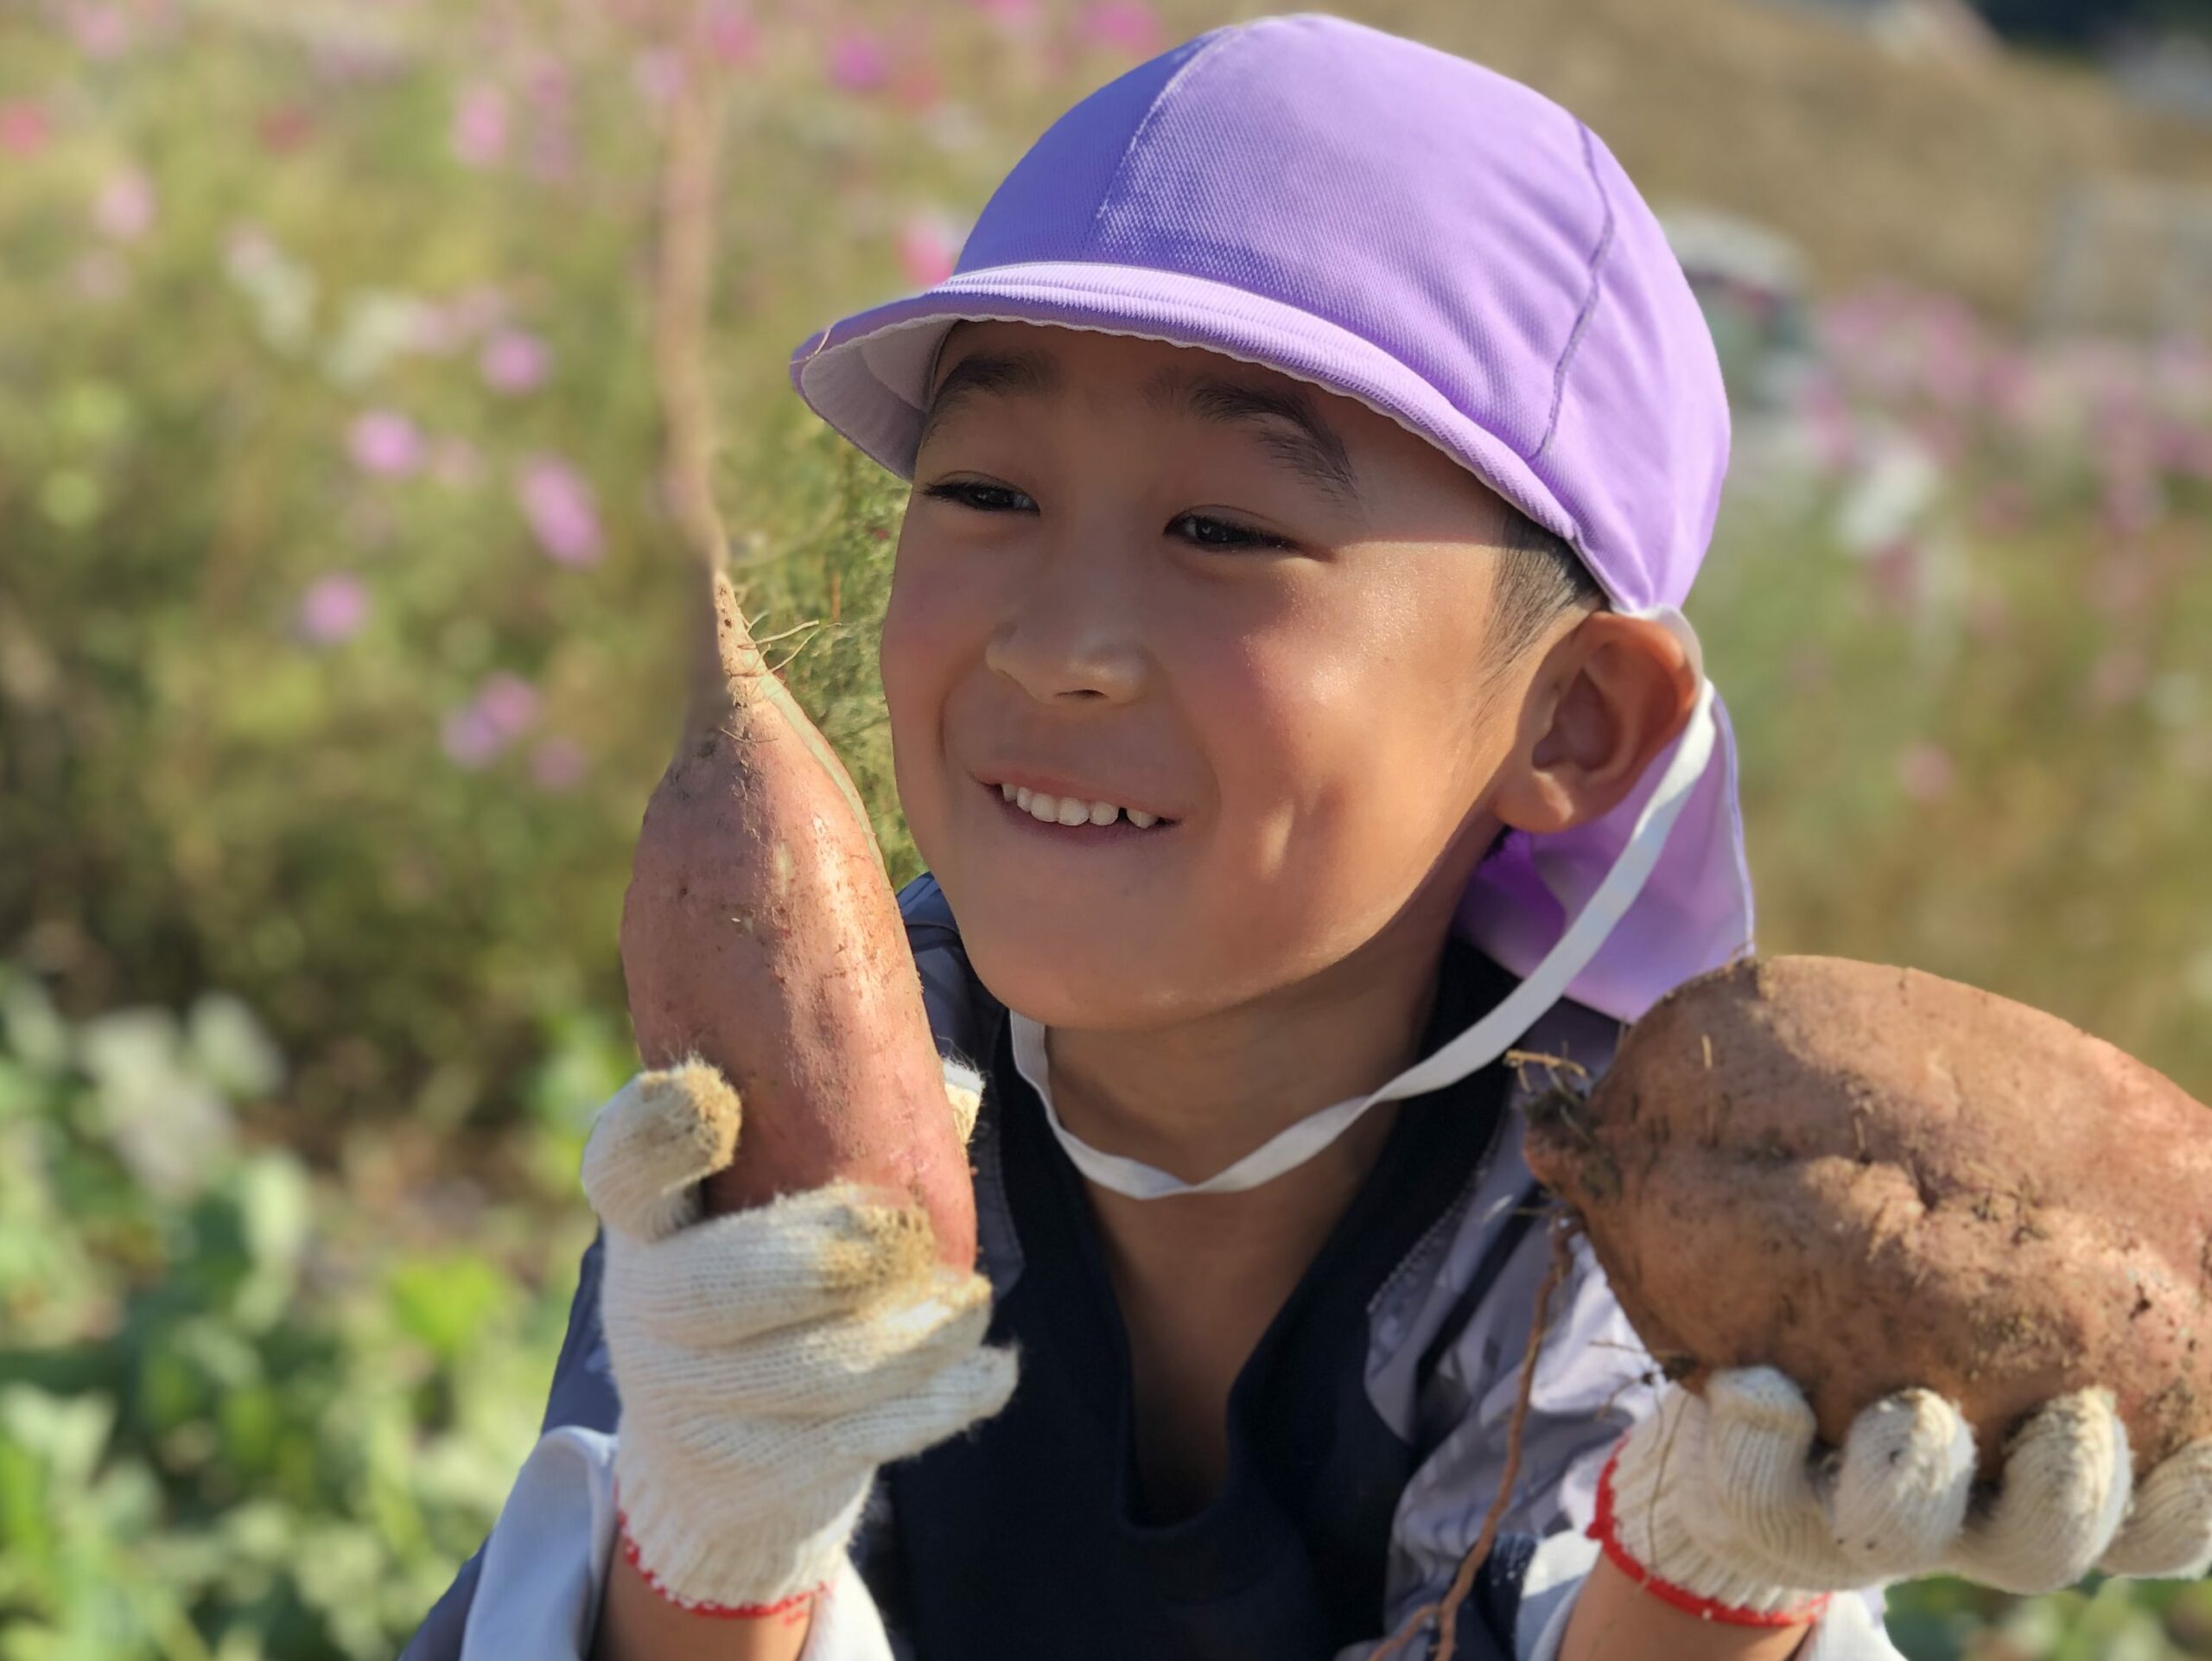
1453 250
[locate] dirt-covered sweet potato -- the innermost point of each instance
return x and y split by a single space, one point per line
1872 1178
760 933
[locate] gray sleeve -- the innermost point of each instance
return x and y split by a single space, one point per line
1593 1380
1591 1384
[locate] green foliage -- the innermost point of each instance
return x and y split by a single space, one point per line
235 1419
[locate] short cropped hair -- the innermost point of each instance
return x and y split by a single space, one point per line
1539 576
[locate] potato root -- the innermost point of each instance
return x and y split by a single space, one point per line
1872 1178
760 933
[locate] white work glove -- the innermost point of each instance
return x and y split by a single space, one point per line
768 1360
1724 1505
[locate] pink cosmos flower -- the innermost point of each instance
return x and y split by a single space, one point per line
2189 449
436 332
1827 417
508 704
443 328
928 248
858 61
24 127
332 609
1128 26
385 443
124 207
479 308
1925 772
1014 16
553 146
919 88
2008 386
558 764
503 709
731 35
514 360
1894 571
468 738
551 86
658 74
480 125
285 128
99 31
558 502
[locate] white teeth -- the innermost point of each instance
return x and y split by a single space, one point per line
1071 810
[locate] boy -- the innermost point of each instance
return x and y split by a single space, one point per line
1289 698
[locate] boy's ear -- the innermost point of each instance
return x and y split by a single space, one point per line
1610 696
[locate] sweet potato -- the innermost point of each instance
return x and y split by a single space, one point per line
759 932
1872 1178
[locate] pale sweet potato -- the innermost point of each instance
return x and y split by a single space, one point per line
760 933
1872 1178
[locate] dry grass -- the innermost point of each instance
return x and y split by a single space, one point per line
1940 173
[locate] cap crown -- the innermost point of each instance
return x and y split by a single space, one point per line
1465 224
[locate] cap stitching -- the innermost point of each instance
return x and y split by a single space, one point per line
1136 134
1589 300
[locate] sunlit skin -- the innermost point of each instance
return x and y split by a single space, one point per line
1102 590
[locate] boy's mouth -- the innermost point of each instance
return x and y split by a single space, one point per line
1084 818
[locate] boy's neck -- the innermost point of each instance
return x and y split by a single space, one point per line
1195 1098
1198 1277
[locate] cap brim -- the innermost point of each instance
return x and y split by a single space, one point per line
867 375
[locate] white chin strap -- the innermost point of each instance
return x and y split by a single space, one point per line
1474 1049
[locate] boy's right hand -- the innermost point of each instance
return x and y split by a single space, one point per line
1724 1503
767 1359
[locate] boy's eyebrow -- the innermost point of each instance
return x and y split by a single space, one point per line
1311 448
1008 374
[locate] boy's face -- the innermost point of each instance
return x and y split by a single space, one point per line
1129 574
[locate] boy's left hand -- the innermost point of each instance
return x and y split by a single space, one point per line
1721 1502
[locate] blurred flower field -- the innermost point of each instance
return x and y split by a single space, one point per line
335 586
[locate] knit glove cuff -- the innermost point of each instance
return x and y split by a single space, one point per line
1724 1504
767 1359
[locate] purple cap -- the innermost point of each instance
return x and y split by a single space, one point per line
1449 248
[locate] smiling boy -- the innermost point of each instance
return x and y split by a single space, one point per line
1290 700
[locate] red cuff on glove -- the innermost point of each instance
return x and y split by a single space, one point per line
1603 1532
713 1611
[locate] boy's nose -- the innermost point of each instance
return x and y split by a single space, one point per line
1072 635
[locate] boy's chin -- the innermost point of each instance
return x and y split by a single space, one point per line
1091 984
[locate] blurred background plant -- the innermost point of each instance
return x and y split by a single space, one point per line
336 591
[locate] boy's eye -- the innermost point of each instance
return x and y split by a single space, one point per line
1204 531
1221 533
985 498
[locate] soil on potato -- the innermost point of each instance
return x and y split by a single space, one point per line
1873 1178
